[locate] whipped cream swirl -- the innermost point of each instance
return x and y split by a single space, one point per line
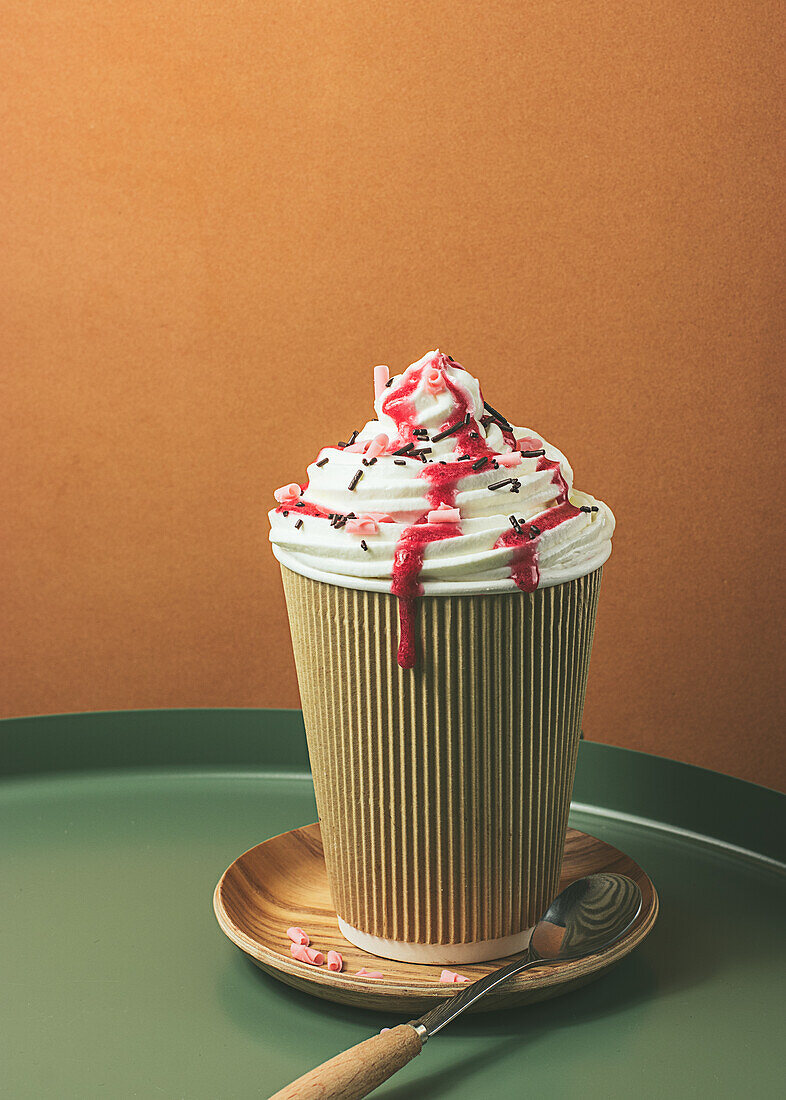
439 494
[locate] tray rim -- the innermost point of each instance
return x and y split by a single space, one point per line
701 804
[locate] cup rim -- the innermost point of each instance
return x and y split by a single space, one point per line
440 588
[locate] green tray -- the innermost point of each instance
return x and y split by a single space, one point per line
117 982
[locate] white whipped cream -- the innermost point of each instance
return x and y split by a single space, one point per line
432 395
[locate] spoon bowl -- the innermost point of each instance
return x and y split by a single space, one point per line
585 918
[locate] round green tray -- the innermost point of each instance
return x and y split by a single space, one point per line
117 982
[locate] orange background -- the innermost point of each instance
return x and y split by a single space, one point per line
218 217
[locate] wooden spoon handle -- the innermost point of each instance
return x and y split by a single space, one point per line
357 1071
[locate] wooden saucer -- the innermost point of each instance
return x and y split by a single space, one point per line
283 882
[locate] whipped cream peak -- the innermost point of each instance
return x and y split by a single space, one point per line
439 493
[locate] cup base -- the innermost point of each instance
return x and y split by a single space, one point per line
401 951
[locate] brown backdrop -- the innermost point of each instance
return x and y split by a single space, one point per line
218 217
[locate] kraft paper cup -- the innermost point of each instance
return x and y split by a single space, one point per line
443 791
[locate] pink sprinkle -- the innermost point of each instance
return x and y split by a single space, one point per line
378 517
355 448
435 380
363 973
512 459
297 935
451 976
528 443
361 526
381 379
377 446
444 514
288 494
335 962
306 954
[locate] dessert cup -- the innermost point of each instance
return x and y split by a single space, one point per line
443 790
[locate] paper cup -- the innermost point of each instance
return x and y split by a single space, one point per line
443 791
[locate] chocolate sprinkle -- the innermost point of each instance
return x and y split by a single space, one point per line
299 524
286 513
321 462
420 453
515 524
355 479
501 484
480 463
352 438
463 458
399 462
497 416
405 449
363 544
533 531
516 485
300 504
389 382
368 461
532 454
448 431
584 508
474 435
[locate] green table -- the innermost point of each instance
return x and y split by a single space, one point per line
116 981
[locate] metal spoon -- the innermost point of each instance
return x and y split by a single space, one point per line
592 913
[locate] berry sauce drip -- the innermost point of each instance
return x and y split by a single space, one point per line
304 508
524 563
470 437
407 564
557 478
443 481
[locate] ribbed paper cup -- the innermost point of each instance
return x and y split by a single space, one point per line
443 791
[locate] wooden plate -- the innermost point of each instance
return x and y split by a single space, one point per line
283 882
